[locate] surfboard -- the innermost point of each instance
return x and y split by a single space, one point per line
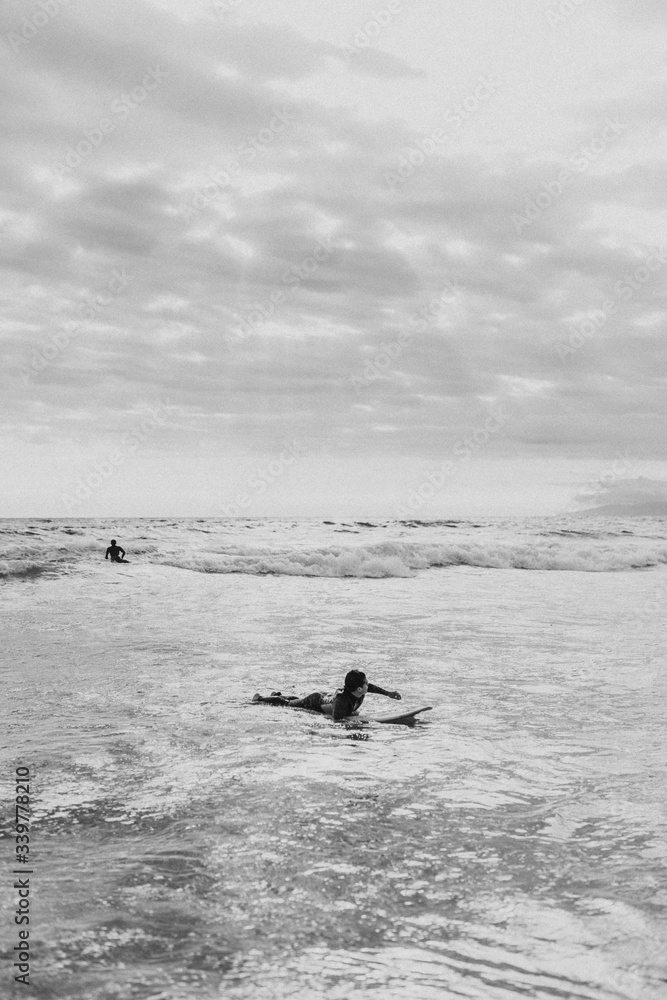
403 717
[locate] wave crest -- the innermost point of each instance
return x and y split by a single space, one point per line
404 559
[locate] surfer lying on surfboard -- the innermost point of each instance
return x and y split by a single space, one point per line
342 703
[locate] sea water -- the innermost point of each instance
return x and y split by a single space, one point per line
186 843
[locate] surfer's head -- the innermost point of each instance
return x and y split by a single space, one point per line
354 680
113 541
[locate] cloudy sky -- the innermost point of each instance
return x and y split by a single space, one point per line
362 258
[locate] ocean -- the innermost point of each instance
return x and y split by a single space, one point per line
185 843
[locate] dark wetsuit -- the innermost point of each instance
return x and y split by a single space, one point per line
343 702
316 701
114 552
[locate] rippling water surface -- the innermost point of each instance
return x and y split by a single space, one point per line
190 844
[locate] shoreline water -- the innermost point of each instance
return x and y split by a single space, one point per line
189 844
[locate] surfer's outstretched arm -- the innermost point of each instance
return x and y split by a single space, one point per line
374 689
348 700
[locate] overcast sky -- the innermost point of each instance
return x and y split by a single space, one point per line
278 257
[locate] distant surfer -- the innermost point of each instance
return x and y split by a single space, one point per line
115 553
342 703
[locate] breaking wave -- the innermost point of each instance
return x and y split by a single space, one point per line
403 559
29 551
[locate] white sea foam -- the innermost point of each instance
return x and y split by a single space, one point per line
395 559
315 549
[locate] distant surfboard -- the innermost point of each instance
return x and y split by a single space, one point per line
403 717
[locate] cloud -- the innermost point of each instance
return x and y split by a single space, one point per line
233 246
